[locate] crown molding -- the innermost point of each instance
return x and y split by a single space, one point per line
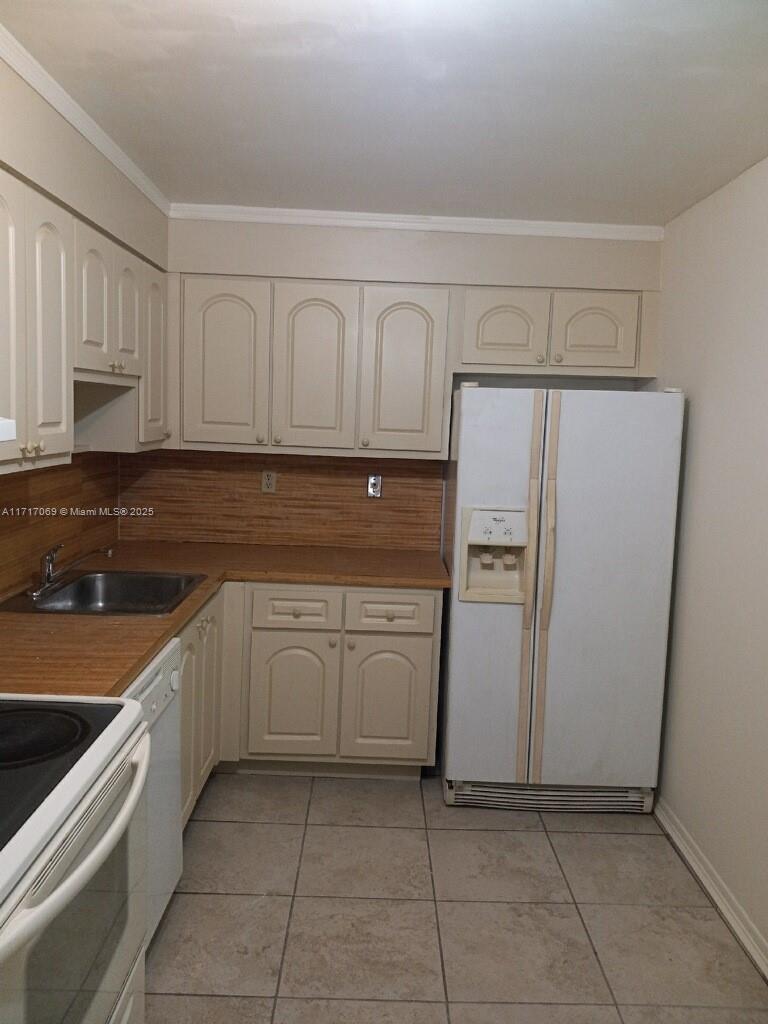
414 222
35 75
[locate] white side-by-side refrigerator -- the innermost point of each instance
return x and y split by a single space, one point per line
561 544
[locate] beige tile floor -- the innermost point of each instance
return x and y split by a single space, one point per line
322 901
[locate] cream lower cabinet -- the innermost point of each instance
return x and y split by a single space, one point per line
342 675
200 688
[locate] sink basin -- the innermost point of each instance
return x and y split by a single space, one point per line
111 593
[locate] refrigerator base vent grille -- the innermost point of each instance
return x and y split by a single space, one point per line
548 798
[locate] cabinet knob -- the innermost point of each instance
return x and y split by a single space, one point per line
277 439
166 434
332 641
121 364
390 616
365 442
539 359
559 357
259 439
351 645
113 367
40 446
296 613
23 450
31 448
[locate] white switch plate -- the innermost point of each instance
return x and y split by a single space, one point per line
268 481
374 485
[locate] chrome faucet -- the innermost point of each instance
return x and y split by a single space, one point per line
49 574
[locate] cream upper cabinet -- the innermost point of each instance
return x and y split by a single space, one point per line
314 376
506 326
595 329
94 300
152 385
294 692
13 349
385 698
405 333
50 320
130 280
226 360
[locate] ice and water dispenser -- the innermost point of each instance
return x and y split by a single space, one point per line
493 551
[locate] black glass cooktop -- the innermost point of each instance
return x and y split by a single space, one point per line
40 741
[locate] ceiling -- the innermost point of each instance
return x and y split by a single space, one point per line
613 111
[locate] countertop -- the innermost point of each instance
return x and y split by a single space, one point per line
100 655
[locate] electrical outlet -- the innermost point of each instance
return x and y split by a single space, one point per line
374 485
268 481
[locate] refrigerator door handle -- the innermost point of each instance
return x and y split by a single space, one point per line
548 588
549 555
534 491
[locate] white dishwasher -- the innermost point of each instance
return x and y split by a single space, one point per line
157 690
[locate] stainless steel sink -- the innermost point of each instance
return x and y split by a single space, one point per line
110 593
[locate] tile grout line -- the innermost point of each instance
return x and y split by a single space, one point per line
434 903
293 902
583 923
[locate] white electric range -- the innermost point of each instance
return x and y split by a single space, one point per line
72 860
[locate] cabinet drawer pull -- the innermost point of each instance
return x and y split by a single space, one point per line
390 616
296 613
277 439
40 446
351 645
332 641
166 434
259 439
559 357
539 359
365 442
113 367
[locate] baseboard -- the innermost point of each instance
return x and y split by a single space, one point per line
748 934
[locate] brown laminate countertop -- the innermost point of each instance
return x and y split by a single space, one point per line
100 655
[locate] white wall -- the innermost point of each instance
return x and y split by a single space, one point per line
714 789
37 142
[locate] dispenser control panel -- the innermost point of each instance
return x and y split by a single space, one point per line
505 527
494 543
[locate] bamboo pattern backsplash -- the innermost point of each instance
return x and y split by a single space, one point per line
212 496
90 482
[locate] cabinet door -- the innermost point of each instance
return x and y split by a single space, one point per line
13 370
152 396
210 689
385 697
506 326
226 360
315 364
594 328
188 689
94 300
403 373
50 318
294 692
130 311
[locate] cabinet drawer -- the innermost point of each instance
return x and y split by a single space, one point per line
390 613
297 609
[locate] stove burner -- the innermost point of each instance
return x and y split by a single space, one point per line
32 735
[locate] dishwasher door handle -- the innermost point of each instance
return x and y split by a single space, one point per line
28 922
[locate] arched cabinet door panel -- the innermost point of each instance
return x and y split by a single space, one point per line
13 368
226 360
94 300
294 692
315 364
386 696
129 311
50 325
153 414
594 329
405 335
506 326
